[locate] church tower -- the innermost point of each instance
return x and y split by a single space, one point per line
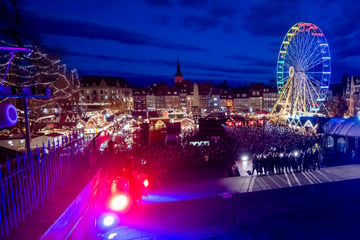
178 78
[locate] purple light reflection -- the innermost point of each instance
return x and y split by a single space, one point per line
15 49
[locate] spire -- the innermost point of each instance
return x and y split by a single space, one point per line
178 72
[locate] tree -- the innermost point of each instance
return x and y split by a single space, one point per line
39 70
337 107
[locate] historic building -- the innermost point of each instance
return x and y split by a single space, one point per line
160 97
204 91
214 99
100 92
178 78
139 96
256 97
241 100
172 102
151 99
352 94
185 91
270 96
226 99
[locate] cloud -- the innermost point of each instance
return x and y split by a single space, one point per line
270 18
217 15
189 69
121 59
161 3
135 79
184 65
252 61
163 20
37 26
194 3
222 11
199 23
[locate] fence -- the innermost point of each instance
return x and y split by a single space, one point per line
27 183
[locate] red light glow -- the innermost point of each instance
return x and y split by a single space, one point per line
146 183
251 122
119 203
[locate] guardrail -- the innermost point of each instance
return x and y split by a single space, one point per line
25 184
64 226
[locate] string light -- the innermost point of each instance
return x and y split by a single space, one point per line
40 70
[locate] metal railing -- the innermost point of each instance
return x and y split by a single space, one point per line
25 184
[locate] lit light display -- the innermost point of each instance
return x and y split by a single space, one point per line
303 71
39 70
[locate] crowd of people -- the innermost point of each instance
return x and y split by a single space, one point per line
279 162
272 150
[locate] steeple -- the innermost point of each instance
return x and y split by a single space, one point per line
178 76
178 72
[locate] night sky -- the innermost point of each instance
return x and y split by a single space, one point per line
237 41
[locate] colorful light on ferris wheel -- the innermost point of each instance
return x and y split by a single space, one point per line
303 70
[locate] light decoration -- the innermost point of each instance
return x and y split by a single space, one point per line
112 235
244 157
108 221
119 203
146 183
303 72
39 70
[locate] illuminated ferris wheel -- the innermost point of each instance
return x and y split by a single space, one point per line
303 71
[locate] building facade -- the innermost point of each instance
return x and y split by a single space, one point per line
270 96
139 96
97 92
352 91
241 101
256 97
204 92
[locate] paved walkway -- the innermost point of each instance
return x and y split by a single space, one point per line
227 186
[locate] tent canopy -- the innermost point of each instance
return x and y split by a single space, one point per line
343 127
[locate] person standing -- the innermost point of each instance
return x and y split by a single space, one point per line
316 159
255 163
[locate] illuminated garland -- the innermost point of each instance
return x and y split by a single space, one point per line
40 70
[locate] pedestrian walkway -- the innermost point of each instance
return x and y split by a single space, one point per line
226 186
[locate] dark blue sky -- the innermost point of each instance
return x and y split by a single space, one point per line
140 40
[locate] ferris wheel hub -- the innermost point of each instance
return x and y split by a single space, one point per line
291 71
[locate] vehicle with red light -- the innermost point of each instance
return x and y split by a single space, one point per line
119 197
122 193
115 203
